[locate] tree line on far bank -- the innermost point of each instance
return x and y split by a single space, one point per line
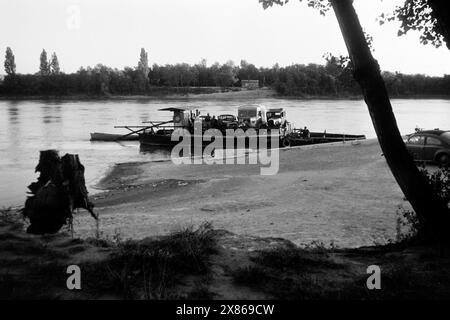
332 79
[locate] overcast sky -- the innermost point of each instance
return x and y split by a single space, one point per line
87 32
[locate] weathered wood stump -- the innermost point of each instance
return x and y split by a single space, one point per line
58 191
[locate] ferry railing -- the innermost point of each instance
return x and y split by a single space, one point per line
141 128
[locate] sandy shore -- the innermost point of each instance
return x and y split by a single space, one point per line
341 193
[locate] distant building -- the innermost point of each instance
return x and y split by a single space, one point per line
250 84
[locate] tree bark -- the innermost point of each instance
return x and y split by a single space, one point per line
425 202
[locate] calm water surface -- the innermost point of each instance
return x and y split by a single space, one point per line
26 127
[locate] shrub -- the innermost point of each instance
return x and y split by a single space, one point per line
156 265
439 181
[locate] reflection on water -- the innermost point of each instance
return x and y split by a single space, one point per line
26 127
13 113
158 153
51 113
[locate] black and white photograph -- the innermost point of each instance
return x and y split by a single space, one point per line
225 156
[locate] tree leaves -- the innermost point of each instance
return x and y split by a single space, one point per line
416 15
413 15
269 3
321 5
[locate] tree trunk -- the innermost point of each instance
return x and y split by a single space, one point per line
441 11
425 202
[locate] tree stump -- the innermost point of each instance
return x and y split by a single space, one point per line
58 191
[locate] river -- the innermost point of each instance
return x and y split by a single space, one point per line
28 126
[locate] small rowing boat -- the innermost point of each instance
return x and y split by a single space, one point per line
100 136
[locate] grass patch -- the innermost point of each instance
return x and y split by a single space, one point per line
151 268
289 273
200 291
417 273
294 258
287 285
141 269
251 276
39 283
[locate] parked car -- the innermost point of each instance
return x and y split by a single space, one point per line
228 121
430 146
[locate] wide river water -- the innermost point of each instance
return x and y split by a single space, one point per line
26 127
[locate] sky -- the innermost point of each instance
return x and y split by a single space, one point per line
111 32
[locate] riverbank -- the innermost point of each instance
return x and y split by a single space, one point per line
226 232
340 193
206 93
202 93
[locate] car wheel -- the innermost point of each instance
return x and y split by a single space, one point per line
443 159
286 143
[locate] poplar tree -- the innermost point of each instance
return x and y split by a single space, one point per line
54 64
44 67
10 64
143 63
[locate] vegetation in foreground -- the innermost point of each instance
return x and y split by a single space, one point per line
176 266
204 263
152 269
406 273
190 263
